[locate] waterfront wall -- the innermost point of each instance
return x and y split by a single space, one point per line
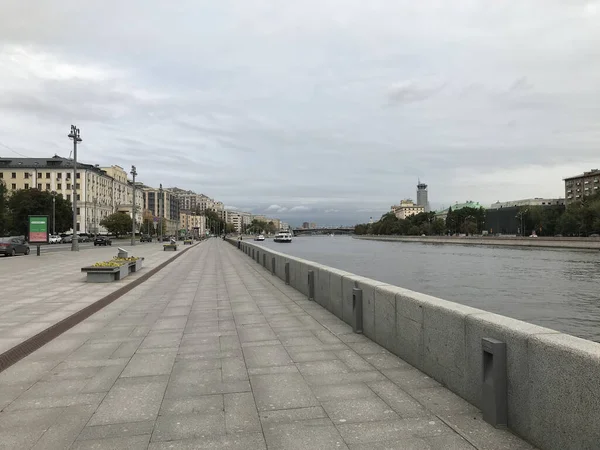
540 242
553 379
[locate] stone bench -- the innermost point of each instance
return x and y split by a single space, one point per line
106 274
187 242
169 247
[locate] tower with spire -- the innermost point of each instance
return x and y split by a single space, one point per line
422 199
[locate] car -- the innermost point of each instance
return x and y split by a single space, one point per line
11 246
102 240
146 238
67 239
54 239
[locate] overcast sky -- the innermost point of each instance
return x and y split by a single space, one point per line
317 110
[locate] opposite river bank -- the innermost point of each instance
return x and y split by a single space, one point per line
573 243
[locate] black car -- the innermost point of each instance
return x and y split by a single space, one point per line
146 238
102 240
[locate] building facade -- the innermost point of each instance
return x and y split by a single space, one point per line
443 213
422 196
162 203
407 208
193 223
580 186
528 202
99 192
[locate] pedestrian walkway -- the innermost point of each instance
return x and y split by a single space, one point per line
213 352
39 291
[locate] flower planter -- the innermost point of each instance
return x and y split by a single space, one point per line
169 247
105 274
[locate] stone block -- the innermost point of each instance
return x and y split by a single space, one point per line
444 341
322 286
516 334
565 392
300 279
409 329
384 310
336 292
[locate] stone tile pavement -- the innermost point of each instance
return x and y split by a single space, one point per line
38 292
213 352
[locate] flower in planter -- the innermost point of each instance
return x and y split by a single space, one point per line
108 264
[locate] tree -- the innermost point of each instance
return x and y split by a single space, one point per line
438 227
229 228
26 202
4 213
117 223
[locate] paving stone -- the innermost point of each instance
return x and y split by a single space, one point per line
401 402
192 405
119 443
304 435
391 430
142 365
241 414
292 415
342 392
273 355
131 400
365 409
186 426
322 367
281 391
233 369
116 430
238 441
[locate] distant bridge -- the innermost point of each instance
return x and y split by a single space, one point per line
325 230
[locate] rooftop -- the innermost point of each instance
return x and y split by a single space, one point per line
584 174
45 163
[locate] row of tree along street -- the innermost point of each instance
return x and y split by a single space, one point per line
578 219
16 207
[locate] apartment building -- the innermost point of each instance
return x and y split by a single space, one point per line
190 201
579 186
194 224
407 208
162 202
100 192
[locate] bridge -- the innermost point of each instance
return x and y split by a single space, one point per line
324 230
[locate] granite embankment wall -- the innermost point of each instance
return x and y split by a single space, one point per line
550 242
553 379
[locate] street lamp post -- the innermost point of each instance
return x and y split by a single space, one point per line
160 194
36 174
74 136
53 193
133 174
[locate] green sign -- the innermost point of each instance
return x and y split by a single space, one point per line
38 230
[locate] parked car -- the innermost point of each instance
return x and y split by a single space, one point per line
102 240
11 246
54 239
67 239
146 238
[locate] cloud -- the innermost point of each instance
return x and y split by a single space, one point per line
232 208
276 208
299 208
325 104
410 91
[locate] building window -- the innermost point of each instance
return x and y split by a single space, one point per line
78 226
77 211
14 175
1 174
14 186
47 186
26 185
40 186
47 175
59 175
68 197
68 175
77 186
78 197
68 185
26 175
78 175
59 186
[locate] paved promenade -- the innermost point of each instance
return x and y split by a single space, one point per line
38 291
213 352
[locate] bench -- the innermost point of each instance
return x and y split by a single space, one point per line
187 242
169 247
106 274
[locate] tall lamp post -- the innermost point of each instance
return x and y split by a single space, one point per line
53 193
74 136
160 194
133 174
36 174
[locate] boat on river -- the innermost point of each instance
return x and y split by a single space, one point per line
283 236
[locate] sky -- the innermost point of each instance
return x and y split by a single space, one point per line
320 110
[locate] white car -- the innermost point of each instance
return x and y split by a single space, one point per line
54 239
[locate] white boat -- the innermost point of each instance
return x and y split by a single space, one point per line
260 237
283 236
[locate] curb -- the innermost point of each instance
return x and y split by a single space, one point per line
25 348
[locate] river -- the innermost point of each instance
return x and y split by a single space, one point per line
557 289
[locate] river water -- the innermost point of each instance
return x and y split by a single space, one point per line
557 289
